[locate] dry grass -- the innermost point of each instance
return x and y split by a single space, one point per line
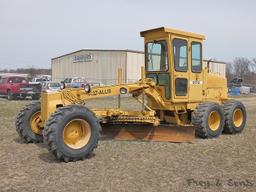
131 166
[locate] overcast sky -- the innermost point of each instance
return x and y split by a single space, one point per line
34 31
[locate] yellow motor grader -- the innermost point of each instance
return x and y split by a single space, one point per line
174 89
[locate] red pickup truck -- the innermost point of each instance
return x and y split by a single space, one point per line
15 86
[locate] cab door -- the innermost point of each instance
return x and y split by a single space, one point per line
157 65
180 65
195 75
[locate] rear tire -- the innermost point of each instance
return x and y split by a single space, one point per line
24 125
208 118
36 97
72 133
10 95
235 117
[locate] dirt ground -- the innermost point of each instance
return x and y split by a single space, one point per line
224 164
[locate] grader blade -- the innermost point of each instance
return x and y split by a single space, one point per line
165 133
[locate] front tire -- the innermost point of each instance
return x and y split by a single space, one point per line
72 133
28 123
208 118
235 117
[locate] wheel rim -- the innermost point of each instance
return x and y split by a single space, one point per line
77 133
238 117
214 120
36 123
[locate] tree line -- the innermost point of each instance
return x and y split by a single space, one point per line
32 72
243 68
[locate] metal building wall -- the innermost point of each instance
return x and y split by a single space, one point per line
101 69
216 67
134 62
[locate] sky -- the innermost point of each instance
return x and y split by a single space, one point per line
34 31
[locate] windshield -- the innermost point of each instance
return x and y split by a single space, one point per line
79 80
68 80
17 80
54 85
156 56
39 80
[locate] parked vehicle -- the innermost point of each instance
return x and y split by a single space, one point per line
51 86
37 81
75 82
16 86
93 84
47 77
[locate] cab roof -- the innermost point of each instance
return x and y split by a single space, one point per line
173 31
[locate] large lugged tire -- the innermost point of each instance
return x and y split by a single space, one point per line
72 132
208 118
28 123
235 117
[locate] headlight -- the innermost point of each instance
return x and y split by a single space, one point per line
62 86
87 88
123 90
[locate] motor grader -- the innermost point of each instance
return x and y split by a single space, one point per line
179 97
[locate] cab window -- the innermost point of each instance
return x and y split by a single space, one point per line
180 53
196 57
156 56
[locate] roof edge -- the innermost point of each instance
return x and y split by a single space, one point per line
174 31
107 50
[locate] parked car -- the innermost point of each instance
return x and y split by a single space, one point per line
16 86
93 84
75 82
38 80
51 86
47 77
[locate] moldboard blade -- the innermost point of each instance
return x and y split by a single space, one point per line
166 133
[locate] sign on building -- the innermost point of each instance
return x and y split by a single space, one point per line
82 58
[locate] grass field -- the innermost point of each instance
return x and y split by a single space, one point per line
224 164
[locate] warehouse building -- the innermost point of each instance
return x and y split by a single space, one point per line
98 66
101 66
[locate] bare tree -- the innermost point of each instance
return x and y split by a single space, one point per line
229 72
253 65
242 66
32 72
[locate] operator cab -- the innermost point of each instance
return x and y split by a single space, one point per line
173 59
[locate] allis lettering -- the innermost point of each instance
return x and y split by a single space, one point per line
101 92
